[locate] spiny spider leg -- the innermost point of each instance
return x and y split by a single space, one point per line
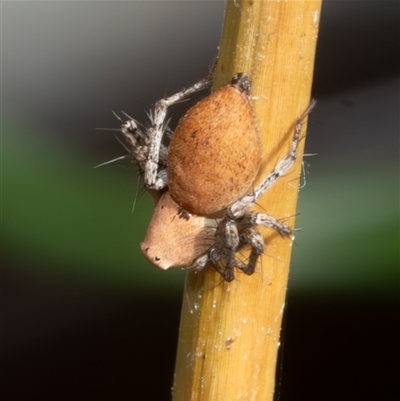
240 207
157 130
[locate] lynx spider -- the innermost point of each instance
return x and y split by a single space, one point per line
239 226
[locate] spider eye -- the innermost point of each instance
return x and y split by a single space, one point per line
157 258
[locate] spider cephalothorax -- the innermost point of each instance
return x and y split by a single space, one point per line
204 180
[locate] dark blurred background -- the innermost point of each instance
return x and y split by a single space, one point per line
83 315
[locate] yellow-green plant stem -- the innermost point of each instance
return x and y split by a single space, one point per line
230 332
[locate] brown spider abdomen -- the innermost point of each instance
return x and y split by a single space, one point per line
175 238
215 152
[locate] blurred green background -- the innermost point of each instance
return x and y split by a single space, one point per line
71 262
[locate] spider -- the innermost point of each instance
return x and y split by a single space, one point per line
201 178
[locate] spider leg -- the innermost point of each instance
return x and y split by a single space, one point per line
253 219
232 235
240 207
254 238
227 242
156 131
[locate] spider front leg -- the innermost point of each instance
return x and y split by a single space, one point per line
227 243
233 235
222 253
250 235
152 177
